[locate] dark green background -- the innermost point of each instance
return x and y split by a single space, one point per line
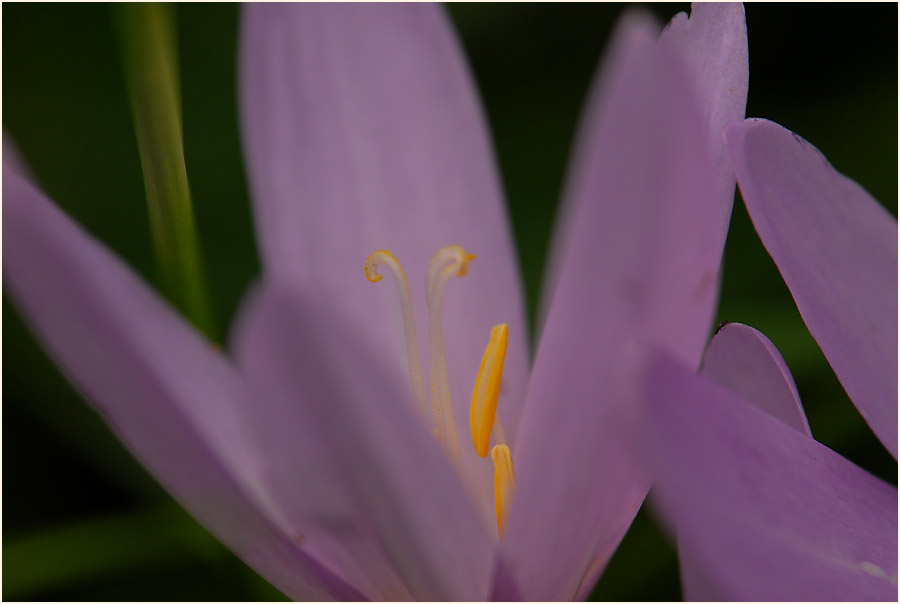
82 520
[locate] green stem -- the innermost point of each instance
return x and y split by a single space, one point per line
147 35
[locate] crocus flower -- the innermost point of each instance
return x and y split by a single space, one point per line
760 509
314 450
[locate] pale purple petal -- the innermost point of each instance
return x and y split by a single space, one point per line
713 44
349 462
362 131
696 586
640 268
165 390
744 362
762 511
836 248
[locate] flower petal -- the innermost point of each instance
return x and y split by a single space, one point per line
713 44
166 392
744 362
362 132
836 248
349 462
640 269
761 510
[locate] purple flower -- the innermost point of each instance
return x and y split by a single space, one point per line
311 450
760 509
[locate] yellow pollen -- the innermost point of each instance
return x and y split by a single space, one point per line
487 388
504 483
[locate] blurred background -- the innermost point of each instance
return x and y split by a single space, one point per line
83 521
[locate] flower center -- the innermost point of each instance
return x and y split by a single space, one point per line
448 262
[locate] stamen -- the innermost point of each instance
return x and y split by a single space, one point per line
447 262
487 388
504 483
385 258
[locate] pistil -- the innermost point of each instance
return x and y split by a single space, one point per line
385 258
448 262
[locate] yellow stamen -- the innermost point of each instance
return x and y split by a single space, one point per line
385 258
447 262
487 388
504 483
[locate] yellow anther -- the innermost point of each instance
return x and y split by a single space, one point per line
504 483
487 388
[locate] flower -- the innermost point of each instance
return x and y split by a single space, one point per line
300 451
761 510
